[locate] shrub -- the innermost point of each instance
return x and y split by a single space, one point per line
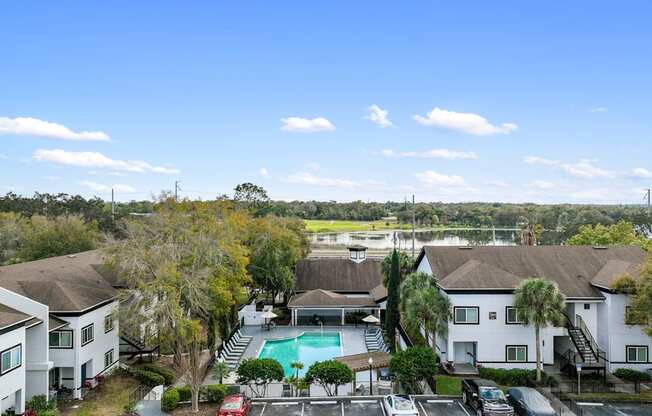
39 405
412 366
213 393
148 378
515 376
185 395
167 374
628 374
170 400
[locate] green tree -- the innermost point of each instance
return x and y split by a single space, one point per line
392 315
257 373
220 370
412 366
329 374
405 265
12 230
639 289
48 237
187 264
539 303
423 306
253 197
621 233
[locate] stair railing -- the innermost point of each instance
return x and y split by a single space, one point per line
599 355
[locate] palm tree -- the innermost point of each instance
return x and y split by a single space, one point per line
296 366
424 306
539 303
220 369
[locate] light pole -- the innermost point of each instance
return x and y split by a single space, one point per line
371 383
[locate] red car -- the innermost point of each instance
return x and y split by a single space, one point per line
235 405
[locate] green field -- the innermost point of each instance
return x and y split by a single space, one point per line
334 226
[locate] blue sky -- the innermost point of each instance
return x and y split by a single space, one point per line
452 101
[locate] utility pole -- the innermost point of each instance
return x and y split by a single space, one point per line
112 206
176 191
649 199
413 226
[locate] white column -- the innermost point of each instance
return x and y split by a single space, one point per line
342 316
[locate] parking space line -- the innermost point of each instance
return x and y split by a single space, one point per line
589 404
285 403
364 401
422 409
342 403
263 411
382 407
463 408
324 402
439 401
303 405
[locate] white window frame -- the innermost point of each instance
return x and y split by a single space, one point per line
108 354
507 321
14 363
109 328
638 348
466 321
516 348
60 346
85 339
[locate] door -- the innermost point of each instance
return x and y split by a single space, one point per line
464 353
83 374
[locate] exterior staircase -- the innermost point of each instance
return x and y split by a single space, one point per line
588 353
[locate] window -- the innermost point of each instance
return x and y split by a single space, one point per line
636 354
511 316
61 339
108 323
516 353
108 358
466 315
87 334
587 306
354 255
11 359
492 316
361 255
634 316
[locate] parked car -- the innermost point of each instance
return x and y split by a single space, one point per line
399 404
529 402
485 398
235 405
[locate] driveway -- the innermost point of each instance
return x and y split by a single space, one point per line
615 409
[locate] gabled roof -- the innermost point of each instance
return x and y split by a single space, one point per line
10 316
614 269
56 323
573 268
65 283
326 299
338 274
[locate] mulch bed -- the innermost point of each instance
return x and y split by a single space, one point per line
205 409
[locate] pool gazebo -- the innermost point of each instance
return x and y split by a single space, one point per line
329 308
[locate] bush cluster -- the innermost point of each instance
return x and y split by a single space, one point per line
516 376
628 374
167 374
213 393
148 378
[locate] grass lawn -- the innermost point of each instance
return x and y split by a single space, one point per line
448 385
644 396
107 400
332 226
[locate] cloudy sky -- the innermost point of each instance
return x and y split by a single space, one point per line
372 100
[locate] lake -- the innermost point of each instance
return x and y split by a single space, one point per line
382 240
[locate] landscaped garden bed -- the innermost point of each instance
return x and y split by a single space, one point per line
109 398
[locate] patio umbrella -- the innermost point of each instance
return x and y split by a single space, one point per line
371 319
268 315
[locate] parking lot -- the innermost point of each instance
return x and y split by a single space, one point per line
615 409
353 407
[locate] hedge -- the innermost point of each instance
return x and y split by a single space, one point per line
167 374
185 395
213 393
628 374
515 376
148 378
170 400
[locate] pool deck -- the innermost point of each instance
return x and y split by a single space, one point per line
353 342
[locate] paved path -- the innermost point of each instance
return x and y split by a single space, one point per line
150 408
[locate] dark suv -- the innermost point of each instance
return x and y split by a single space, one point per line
486 398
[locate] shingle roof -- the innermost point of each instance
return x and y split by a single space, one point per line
56 323
338 274
65 283
573 268
10 316
326 299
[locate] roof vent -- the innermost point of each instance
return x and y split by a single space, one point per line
357 253
600 247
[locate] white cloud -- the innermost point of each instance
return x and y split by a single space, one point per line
306 125
263 172
29 126
539 184
378 116
642 173
586 169
307 178
313 166
497 184
431 154
431 177
3 156
98 187
598 110
52 178
536 160
98 160
464 122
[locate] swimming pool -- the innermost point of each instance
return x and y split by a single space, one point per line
307 348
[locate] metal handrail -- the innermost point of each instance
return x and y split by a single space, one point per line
599 354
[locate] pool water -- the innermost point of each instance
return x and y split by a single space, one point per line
307 348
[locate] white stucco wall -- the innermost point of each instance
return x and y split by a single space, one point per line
13 381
